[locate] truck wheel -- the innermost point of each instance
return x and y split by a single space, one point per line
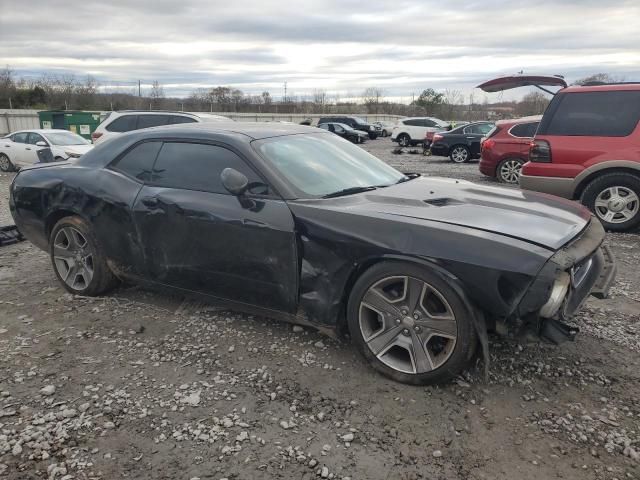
78 260
5 163
410 323
615 200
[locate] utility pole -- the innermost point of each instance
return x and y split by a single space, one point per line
10 106
285 93
139 90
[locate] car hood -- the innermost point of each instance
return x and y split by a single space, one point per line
538 218
80 149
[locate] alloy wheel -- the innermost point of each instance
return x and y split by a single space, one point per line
404 141
617 204
73 258
459 154
407 324
5 164
510 171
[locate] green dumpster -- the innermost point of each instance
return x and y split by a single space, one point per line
77 121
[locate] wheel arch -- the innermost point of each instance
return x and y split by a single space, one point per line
630 168
360 267
55 216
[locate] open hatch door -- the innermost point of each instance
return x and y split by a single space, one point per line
514 81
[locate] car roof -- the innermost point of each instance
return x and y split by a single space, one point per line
43 130
254 130
514 121
605 87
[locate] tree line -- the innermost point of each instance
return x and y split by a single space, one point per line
68 92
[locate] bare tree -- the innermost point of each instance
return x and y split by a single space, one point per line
533 103
599 78
371 98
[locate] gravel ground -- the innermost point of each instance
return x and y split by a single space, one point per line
142 385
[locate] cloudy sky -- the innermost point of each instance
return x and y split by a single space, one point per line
344 46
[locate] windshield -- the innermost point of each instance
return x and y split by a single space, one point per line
360 120
65 138
318 165
344 125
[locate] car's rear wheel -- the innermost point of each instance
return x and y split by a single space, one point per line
508 170
460 154
410 324
5 163
404 140
615 200
77 258
385 133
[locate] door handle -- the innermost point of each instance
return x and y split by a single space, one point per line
150 202
27 148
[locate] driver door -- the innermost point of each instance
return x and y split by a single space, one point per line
197 236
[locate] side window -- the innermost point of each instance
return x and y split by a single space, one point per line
20 137
125 123
599 114
148 121
174 119
523 130
138 162
428 123
196 166
414 122
34 138
531 129
324 126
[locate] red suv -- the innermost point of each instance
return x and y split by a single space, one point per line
506 148
587 147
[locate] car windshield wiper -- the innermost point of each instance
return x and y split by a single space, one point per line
407 177
349 191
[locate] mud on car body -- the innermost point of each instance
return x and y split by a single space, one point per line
303 226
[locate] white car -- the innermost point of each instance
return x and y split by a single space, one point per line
411 131
115 123
20 149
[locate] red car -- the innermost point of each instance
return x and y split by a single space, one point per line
506 148
587 147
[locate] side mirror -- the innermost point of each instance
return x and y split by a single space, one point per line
235 182
41 143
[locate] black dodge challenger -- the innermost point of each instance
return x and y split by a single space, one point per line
297 224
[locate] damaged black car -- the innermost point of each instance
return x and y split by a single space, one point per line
300 225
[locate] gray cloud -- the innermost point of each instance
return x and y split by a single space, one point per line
339 45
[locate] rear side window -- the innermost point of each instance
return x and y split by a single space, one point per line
195 166
148 121
125 123
138 162
35 138
415 122
599 114
174 119
524 130
20 137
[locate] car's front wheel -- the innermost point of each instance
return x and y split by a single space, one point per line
460 154
410 323
5 163
78 260
508 170
615 200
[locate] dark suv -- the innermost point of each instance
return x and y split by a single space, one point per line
587 148
356 123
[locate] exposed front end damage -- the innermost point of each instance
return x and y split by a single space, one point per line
581 268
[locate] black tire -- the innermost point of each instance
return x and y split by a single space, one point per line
465 341
629 184
5 163
102 279
385 133
460 154
505 170
404 140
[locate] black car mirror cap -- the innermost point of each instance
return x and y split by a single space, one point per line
234 181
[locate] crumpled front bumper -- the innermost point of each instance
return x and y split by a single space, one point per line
581 268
